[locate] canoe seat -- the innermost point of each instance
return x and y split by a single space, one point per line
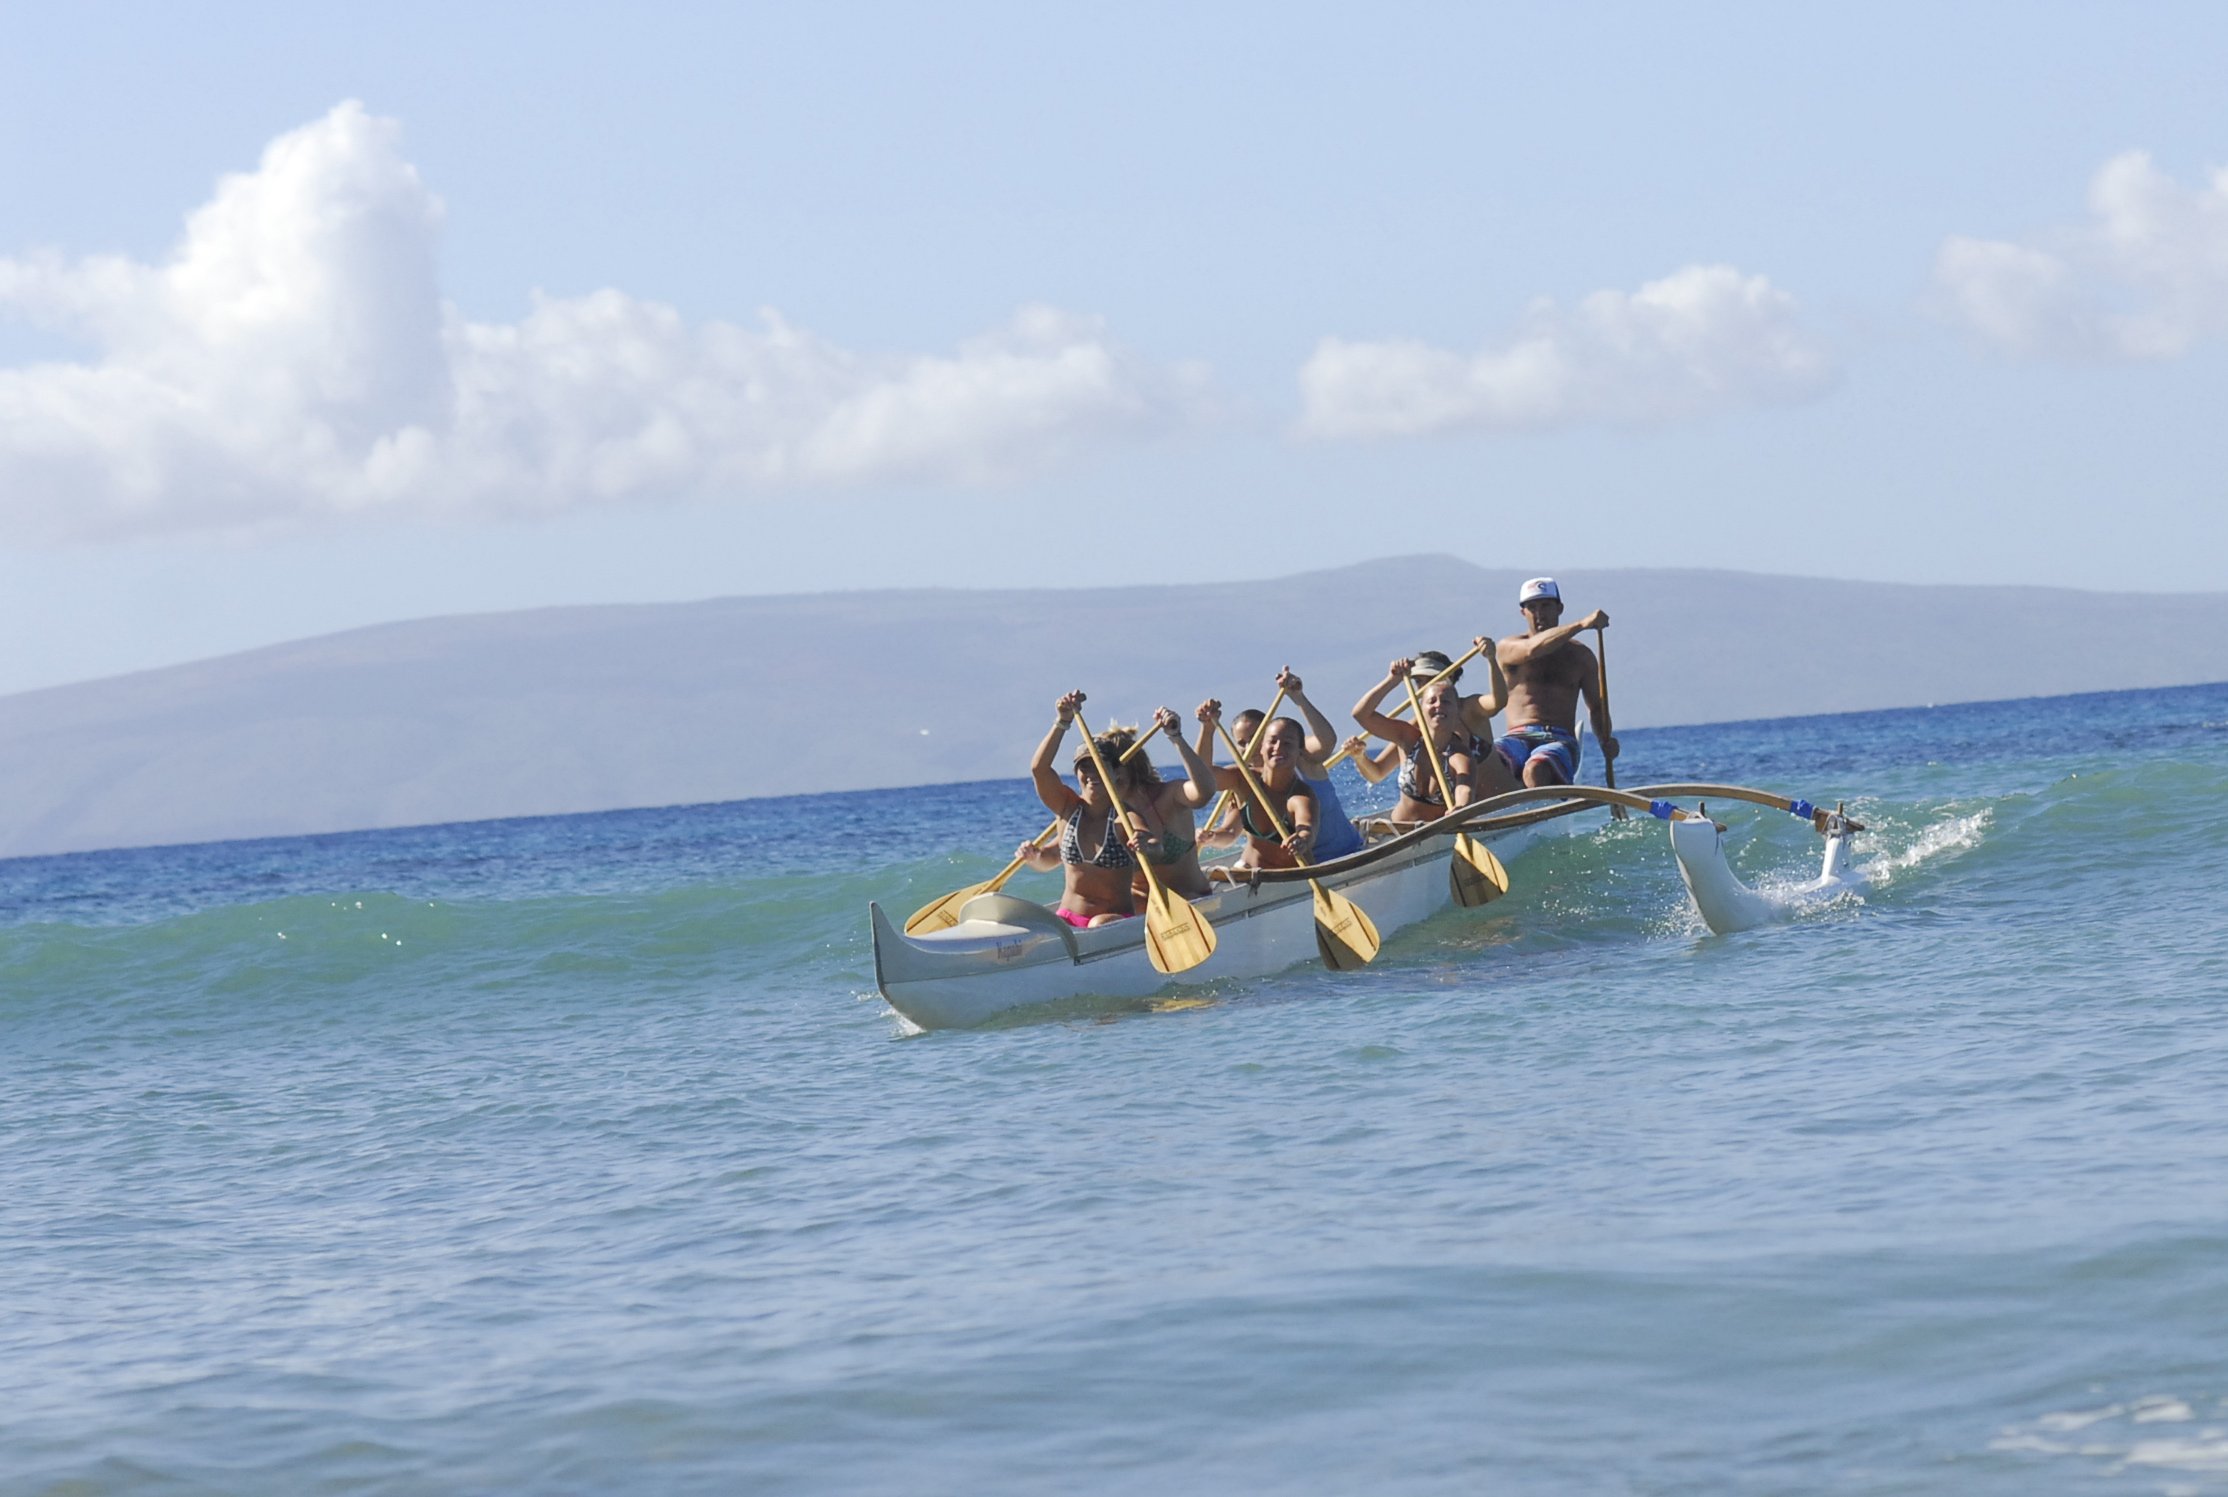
1005 909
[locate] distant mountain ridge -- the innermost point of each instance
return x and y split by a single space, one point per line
596 708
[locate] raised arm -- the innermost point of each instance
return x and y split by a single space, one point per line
1479 711
1322 738
1199 775
1366 713
1521 648
1372 767
1210 719
1051 789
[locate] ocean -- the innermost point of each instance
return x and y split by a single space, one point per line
578 1155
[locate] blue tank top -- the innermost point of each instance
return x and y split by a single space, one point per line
1335 832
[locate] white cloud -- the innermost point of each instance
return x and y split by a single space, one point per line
2146 277
1704 339
293 359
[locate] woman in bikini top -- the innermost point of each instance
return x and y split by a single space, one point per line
1094 858
1420 797
1097 861
1166 811
1113 853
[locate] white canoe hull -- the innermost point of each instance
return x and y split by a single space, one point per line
1006 955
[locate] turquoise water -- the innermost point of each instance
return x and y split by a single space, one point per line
576 1155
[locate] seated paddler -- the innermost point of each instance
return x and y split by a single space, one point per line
1289 797
1166 811
1096 861
1478 709
1335 832
1422 797
1549 673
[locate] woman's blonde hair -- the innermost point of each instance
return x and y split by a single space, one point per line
1112 745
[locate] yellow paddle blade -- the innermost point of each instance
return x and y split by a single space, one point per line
942 914
1476 874
1177 937
1344 934
1495 872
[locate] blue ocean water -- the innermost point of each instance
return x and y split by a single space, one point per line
577 1155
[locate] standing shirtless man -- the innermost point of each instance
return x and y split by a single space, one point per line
1548 671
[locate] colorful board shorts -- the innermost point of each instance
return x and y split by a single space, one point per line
1520 746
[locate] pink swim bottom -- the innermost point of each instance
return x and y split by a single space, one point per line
1083 922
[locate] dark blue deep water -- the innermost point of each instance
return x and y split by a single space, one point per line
577 1155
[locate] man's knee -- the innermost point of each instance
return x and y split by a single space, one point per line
1541 771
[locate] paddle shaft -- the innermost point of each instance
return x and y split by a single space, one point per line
1114 802
1601 676
1468 655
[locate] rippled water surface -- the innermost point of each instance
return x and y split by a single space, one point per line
577 1155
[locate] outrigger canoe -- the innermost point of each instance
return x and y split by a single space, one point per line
1008 954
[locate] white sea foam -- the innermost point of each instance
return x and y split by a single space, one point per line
1942 839
2109 1435
2068 1422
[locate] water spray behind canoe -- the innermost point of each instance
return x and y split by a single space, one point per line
1728 905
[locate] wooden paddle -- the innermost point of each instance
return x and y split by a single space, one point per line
1222 801
1345 937
1476 874
943 913
1177 936
1601 676
1399 707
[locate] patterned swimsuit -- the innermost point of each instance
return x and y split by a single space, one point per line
1113 851
1417 782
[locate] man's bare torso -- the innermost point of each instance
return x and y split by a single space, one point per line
1544 692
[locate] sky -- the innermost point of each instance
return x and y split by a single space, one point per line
315 316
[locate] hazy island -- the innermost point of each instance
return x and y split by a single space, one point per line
597 708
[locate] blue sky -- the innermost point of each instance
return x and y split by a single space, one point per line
513 306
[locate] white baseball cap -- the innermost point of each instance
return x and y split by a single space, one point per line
1537 588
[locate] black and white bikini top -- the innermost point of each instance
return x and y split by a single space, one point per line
1113 851
1417 781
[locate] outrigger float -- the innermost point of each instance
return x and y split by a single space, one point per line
995 955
